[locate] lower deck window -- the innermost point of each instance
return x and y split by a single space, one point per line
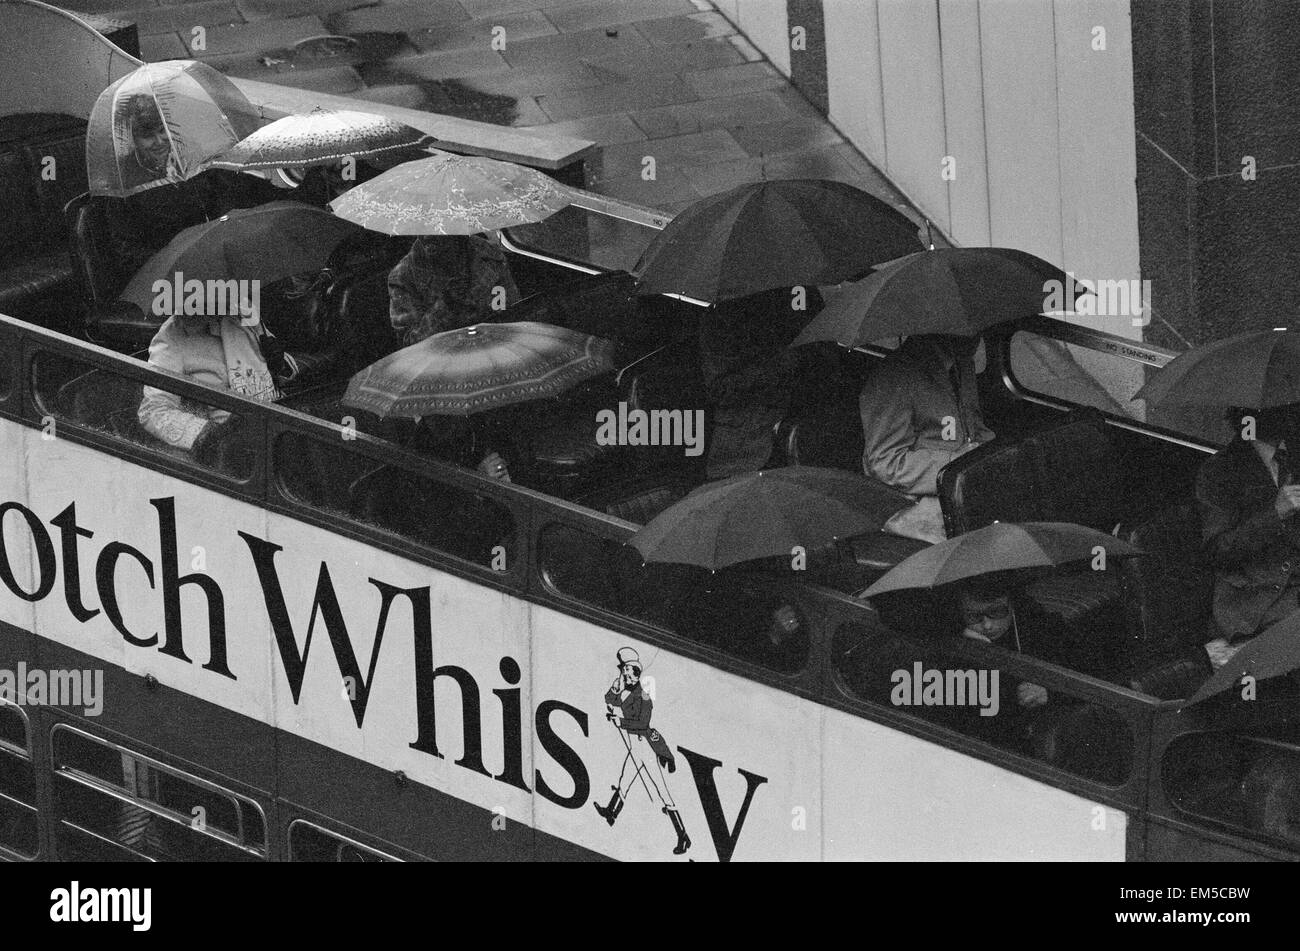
19 833
308 842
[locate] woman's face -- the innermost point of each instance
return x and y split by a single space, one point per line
152 147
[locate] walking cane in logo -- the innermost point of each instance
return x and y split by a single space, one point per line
628 708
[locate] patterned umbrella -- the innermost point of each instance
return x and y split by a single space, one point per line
451 194
472 369
321 137
158 125
766 235
765 514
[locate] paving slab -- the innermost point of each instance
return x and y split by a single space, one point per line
707 54
655 90
264 35
669 187
711 177
480 34
485 9
340 80
607 130
254 10
671 31
679 151
399 16
728 112
735 80
585 14
405 69
182 19
566 49
525 81
785 136
161 46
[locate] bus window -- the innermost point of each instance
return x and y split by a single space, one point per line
748 615
420 508
957 688
151 417
308 842
113 805
582 236
18 817
1251 784
8 358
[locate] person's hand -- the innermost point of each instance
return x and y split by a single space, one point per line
494 467
1220 651
617 685
1287 502
1031 695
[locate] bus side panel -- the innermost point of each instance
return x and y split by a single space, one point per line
746 779
1177 842
891 796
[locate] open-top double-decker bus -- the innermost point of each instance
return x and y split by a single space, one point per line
320 645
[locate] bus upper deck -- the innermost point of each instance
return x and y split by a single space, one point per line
471 626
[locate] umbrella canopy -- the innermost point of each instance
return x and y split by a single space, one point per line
452 194
1256 370
766 235
1271 653
321 137
158 125
1002 546
265 244
960 291
472 369
765 514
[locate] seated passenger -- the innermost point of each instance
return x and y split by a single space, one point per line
299 347
448 281
466 441
140 225
920 410
750 375
1248 500
218 352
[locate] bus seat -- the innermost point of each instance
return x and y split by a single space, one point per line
638 500
115 323
880 551
1270 793
601 304
1168 591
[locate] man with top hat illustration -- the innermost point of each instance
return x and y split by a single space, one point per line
628 708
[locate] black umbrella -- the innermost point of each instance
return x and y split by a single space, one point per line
960 291
1256 370
766 235
764 514
1272 653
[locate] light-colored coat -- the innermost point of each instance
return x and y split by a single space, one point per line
906 405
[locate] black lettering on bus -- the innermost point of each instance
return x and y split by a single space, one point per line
702 767
174 643
563 754
46 564
426 718
512 740
105 577
325 604
70 531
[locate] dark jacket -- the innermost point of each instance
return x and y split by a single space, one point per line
1256 555
446 282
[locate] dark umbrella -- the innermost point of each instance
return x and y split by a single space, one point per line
472 369
320 137
1271 653
266 243
960 291
764 514
766 235
1257 370
1000 547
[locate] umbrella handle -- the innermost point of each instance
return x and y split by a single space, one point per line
618 377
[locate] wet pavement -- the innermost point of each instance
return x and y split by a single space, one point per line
668 79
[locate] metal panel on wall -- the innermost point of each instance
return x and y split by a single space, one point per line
963 95
853 74
913 83
1018 46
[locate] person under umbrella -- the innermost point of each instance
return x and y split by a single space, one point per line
449 281
1246 494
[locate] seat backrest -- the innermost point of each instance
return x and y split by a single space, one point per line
58 167
21 218
1169 589
95 270
1063 473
